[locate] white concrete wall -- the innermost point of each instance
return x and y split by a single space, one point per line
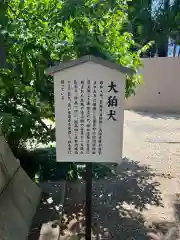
160 91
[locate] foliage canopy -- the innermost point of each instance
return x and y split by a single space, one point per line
41 33
156 21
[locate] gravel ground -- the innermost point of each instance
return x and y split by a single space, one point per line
144 190
154 139
146 187
49 209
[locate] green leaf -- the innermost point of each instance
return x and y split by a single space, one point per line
41 33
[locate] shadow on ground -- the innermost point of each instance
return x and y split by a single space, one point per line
118 200
170 230
168 116
177 207
177 211
50 207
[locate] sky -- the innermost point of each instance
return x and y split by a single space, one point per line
170 51
157 3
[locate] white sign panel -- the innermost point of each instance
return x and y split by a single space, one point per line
89 109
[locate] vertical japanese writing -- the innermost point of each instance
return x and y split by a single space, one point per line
88 119
82 117
85 116
112 101
100 118
94 121
76 112
62 89
69 120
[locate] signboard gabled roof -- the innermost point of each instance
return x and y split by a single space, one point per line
89 58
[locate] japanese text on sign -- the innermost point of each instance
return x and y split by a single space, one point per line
112 101
90 105
89 113
85 117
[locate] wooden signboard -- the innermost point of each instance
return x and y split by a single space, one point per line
89 110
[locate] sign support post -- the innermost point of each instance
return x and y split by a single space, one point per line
88 206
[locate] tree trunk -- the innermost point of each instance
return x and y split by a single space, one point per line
174 49
163 48
162 51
